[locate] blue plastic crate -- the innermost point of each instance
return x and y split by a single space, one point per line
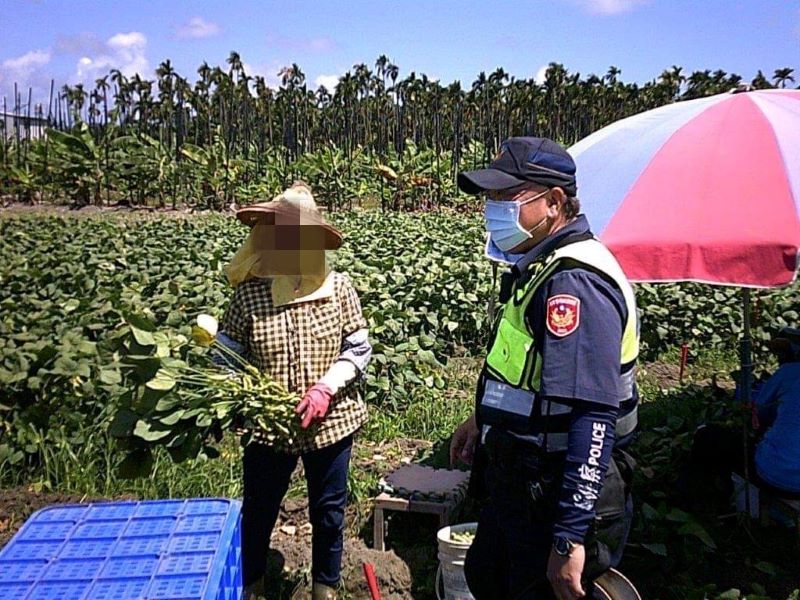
169 549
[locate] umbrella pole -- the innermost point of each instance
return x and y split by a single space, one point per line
746 382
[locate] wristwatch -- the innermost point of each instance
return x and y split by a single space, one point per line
562 546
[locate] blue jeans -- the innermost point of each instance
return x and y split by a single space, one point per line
267 474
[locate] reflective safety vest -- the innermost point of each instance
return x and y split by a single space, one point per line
513 368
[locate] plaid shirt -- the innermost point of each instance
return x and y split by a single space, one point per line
296 344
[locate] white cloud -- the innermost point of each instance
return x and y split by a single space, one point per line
26 71
329 81
124 51
321 44
540 74
128 52
610 7
134 39
28 61
197 28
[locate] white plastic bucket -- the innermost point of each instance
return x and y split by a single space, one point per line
450 581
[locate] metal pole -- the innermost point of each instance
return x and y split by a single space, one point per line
17 116
746 382
6 139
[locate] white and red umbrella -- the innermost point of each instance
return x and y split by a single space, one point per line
704 190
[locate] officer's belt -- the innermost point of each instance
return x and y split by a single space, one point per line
558 442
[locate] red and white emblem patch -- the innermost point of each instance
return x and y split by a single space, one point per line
563 314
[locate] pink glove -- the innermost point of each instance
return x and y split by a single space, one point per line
315 404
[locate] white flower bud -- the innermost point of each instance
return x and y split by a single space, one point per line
208 323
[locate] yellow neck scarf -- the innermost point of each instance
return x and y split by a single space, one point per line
294 273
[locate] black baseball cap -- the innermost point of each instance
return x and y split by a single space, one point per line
522 159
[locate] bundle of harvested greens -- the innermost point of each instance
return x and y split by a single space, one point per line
178 398
463 537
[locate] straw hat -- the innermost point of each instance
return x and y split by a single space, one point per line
292 207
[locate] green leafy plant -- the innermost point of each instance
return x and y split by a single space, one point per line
69 285
145 168
79 163
178 399
215 170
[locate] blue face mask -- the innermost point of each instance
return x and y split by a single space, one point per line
492 252
502 223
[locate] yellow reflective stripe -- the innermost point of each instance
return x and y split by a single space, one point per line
630 343
594 254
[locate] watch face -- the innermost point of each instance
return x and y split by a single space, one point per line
562 546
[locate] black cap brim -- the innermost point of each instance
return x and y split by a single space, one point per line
475 182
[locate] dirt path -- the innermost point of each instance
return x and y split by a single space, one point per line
290 556
17 504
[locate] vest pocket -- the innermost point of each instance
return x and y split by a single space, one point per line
505 406
509 352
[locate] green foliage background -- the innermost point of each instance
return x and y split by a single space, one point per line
424 285
66 283
226 135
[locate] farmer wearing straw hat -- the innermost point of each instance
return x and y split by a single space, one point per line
556 396
300 322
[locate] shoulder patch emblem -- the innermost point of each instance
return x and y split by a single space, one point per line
563 314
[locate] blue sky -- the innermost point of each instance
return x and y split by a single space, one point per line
79 40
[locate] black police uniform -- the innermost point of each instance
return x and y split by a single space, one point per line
520 483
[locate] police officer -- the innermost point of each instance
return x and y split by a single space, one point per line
556 397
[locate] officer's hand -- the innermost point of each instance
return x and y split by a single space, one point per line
564 573
462 446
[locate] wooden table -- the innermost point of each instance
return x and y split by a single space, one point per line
443 508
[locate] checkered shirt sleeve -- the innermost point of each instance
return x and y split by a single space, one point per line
352 316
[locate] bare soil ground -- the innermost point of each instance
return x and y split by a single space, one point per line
290 557
404 572
19 503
